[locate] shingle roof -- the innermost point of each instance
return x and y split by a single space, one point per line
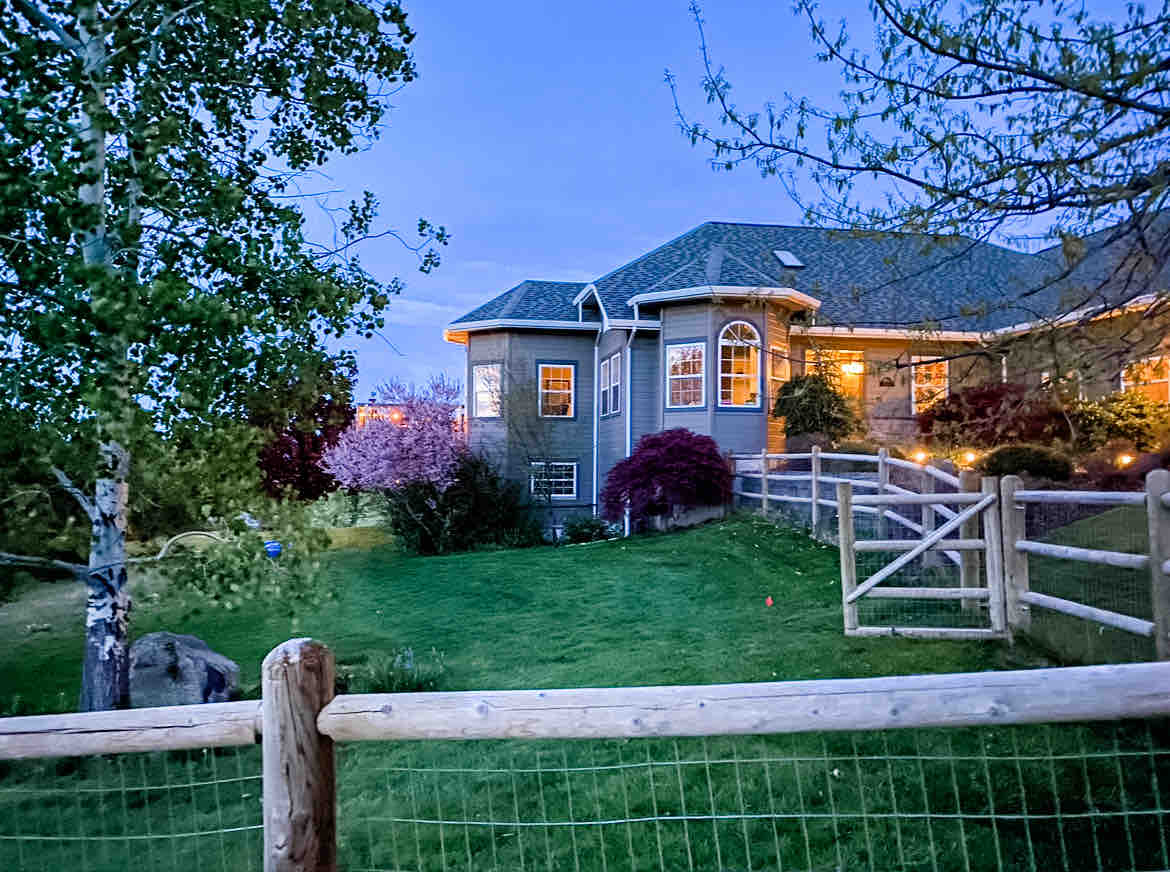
530 300
862 279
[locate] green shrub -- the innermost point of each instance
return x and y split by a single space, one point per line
585 528
1127 415
394 672
865 446
479 508
1034 460
810 404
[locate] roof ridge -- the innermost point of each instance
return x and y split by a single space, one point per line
748 266
654 250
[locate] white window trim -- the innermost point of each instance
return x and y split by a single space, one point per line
914 383
702 346
777 353
540 391
540 463
615 381
759 366
499 401
603 393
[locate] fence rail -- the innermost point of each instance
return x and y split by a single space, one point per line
993 568
299 722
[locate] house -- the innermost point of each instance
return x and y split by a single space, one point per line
564 377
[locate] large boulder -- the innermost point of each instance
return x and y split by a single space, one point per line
173 669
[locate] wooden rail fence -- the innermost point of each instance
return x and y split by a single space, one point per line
993 566
299 720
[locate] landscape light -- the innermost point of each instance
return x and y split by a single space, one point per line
970 457
1124 459
920 456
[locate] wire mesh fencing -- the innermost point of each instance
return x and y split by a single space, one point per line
172 811
1063 797
1115 588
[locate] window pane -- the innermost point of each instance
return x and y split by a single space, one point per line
556 391
739 366
930 382
486 390
686 391
554 480
603 382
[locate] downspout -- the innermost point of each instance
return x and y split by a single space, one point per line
596 412
630 400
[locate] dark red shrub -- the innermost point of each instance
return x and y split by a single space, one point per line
290 459
672 468
991 414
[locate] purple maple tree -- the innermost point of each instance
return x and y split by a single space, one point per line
420 443
672 468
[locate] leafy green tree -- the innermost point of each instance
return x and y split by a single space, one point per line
1013 121
152 156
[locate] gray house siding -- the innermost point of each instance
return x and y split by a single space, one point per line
487 436
533 438
737 429
611 436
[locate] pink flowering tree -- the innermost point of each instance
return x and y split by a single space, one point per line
419 443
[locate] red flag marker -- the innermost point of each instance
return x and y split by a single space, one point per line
768 602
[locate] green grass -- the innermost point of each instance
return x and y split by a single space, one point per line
680 608
671 609
1126 591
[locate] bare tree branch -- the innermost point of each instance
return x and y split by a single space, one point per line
75 492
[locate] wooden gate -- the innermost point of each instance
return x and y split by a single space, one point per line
972 528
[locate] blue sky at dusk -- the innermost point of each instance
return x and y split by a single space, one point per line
543 136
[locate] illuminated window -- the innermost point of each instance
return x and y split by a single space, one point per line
485 379
556 390
930 383
1150 377
556 481
685 377
739 365
779 371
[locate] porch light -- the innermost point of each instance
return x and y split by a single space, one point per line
853 368
396 416
1124 459
920 456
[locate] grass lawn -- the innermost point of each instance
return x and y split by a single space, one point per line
681 608
687 608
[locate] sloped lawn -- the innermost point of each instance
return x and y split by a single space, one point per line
682 608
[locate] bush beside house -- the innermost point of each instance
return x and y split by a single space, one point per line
668 472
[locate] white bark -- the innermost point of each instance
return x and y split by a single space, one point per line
105 680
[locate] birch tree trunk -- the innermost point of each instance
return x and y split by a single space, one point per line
105 673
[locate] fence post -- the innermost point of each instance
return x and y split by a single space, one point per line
969 560
299 785
1157 486
1013 519
845 542
764 482
993 557
816 489
883 524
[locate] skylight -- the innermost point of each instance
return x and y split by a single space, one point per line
787 258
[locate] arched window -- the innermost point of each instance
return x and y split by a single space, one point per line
739 365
